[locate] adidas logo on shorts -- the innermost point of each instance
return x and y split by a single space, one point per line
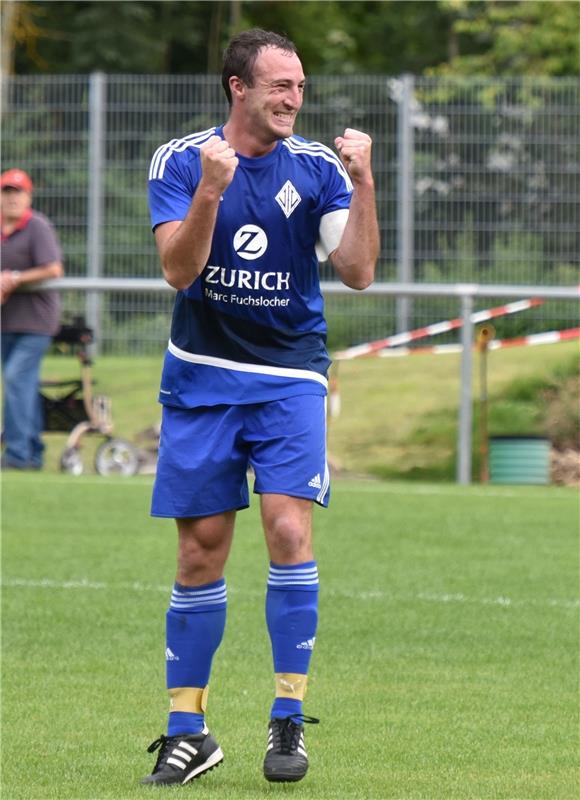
315 482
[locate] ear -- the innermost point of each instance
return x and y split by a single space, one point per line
237 87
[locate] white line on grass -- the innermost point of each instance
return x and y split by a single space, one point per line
497 601
342 485
452 489
427 597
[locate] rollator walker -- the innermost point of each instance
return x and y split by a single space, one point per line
70 406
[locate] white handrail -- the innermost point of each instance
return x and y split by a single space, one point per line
335 287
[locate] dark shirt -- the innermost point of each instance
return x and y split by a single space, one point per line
33 245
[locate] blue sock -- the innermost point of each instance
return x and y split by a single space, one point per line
292 616
195 625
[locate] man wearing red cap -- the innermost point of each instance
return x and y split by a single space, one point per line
30 253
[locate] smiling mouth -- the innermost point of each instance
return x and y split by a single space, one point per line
287 119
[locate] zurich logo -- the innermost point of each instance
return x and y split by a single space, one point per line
250 242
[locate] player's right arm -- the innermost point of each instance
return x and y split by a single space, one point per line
184 246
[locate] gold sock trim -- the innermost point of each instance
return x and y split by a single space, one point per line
291 684
191 699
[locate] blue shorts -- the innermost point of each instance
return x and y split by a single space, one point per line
204 455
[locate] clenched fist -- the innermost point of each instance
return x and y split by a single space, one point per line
355 153
218 162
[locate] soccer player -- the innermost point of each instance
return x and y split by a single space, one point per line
242 214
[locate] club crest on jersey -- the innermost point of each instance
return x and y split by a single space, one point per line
288 198
250 242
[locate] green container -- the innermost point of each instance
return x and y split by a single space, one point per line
519 459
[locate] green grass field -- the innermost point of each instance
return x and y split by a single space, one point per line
446 663
399 416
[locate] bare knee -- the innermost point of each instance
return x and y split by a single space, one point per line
202 549
289 532
195 562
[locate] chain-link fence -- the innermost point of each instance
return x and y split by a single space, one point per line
477 181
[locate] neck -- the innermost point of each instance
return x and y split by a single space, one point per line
246 143
10 222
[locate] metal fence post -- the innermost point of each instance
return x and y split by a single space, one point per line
405 180
97 88
465 390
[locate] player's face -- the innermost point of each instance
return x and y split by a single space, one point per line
272 103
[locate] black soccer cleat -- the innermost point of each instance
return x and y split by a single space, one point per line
286 756
183 758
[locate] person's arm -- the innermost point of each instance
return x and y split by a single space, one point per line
10 280
184 247
355 257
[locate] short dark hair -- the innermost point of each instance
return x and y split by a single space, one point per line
241 53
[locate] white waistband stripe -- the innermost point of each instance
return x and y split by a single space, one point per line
237 366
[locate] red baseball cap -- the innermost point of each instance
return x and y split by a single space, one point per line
17 179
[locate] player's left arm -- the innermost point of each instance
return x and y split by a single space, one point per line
355 257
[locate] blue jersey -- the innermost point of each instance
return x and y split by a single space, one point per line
251 327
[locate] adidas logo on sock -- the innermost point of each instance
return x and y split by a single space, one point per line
307 645
169 656
315 482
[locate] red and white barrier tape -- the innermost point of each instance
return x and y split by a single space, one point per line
369 348
551 337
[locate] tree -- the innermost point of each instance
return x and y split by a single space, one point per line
460 37
515 37
137 37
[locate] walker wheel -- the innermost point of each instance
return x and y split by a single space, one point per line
71 461
117 457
